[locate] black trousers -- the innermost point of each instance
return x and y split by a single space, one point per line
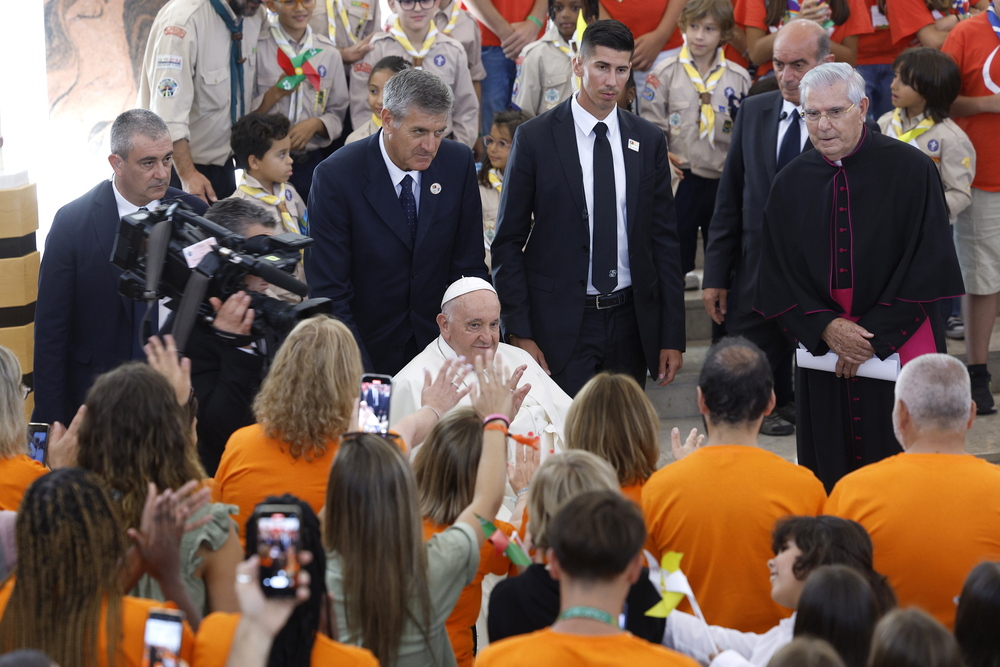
694 203
608 341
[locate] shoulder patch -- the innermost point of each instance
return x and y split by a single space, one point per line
439 60
648 93
363 67
176 31
933 145
166 87
169 62
652 80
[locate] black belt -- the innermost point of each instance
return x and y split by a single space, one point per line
605 301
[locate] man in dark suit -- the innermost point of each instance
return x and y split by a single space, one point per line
396 219
83 326
586 260
769 133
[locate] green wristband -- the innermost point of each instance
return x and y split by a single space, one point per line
536 21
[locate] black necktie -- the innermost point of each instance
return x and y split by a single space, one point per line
604 253
409 204
791 144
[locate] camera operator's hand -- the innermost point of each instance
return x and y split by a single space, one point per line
235 316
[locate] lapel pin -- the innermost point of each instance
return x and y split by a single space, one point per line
633 145
435 188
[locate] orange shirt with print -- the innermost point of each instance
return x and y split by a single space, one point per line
514 11
466 612
931 517
16 475
718 506
753 14
546 647
215 638
135 611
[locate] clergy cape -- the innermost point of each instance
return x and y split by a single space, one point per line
543 411
829 228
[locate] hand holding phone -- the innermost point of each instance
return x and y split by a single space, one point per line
38 442
373 409
278 547
162 638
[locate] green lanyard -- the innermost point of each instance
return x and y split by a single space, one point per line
588 612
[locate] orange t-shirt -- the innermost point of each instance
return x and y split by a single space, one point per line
634 492
753 14
254 466
134 614
643 18
931 517
514 11
718 506
466 611
971 43
546 647
906 18
877 47
16 475
215 638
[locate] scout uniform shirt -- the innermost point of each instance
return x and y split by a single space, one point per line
544 74
185 77
446 58
329 103
345 22
459 24
946 144
673 102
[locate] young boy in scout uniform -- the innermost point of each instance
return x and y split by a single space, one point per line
691 96
381 73
415 37
458 24
545 67
315 105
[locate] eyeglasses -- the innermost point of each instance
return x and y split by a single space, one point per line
833 115
410 4
502 144
25 390
289 4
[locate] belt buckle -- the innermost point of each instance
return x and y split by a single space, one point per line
597 302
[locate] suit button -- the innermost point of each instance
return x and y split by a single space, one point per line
411 309
413 275
585 248
582 284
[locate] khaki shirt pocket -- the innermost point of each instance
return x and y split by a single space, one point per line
215 91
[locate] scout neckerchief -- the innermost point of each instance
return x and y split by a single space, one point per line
552 36
404 41
453 19
376 119
236 60
991 14
706 124
909 136
496 179
335 8
306 51
278 201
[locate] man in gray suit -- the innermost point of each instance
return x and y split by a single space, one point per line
768 133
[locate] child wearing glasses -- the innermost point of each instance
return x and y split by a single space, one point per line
315 104
415 37
497 145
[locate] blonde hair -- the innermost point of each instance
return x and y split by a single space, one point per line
13 425
372 522
611 417
308 395
559 479
446 465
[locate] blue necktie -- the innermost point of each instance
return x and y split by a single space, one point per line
409 204
791 143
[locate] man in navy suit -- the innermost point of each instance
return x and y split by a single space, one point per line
396 219
83 326
769 132
586 259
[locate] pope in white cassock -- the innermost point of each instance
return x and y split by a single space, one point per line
470 325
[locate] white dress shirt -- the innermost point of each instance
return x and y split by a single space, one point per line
792 113
585 137
396 174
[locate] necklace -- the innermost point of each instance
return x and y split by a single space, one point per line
591 613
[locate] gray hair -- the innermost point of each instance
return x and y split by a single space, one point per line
416 89
13 425
830 74
936 391
237 215
132 122
818 31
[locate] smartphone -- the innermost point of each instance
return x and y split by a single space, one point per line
278 546
373 410
164 629
38 442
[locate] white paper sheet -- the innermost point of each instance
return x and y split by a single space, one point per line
875 368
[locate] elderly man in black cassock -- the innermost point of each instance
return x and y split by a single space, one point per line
856 249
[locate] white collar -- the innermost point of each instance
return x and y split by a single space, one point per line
586 122
395 173
125 207
788 108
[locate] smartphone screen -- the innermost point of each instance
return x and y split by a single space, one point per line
38 441
164 629
373 409
278 546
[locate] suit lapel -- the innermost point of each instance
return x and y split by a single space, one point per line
381 194
564 137
104 221
633 167
428 200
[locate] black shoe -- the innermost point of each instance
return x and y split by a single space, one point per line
773 424
981 393
786 412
